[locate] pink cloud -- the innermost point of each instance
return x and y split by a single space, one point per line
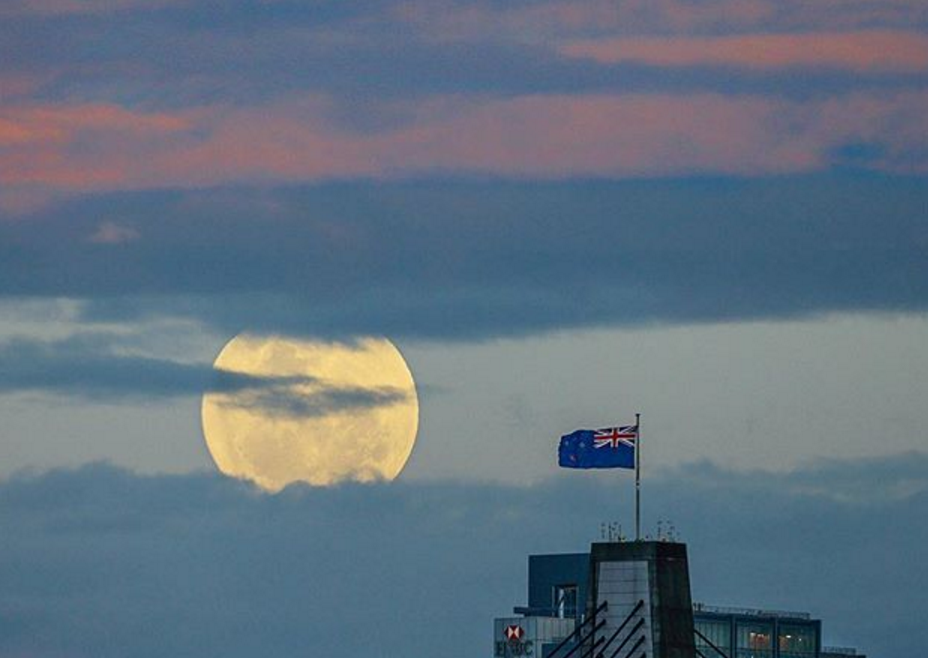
77 145
551 136
538 136
857 51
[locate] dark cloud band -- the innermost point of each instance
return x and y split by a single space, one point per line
481 259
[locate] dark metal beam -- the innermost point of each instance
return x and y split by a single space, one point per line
584 639
621 627
576 631
589 652
709 642
630 635
633 649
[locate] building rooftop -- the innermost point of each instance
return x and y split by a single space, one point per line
751 612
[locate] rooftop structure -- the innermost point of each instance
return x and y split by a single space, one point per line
632 600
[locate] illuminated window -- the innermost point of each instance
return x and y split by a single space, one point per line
796 641
755 640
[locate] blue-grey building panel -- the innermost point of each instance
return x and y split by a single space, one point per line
550 574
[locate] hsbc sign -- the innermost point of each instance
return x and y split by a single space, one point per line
514 633
505 649
514 644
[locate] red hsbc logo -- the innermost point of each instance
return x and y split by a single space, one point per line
514 633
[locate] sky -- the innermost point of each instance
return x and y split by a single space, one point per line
714 213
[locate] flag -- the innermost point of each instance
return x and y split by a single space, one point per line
612 447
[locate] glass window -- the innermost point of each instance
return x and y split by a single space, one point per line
796 641
716 632
755 640
565 600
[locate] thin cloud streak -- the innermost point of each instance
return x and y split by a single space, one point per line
535 18
99 367
91 367
54 8
861 51
451 20
290 402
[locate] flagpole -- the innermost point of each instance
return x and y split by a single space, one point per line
637 477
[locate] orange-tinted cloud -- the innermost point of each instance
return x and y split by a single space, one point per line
856 51
543 136
77 145
550 136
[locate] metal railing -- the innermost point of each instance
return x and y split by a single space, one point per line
750 612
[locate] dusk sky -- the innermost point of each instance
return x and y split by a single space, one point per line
711 212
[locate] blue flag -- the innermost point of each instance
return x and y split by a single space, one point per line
612 447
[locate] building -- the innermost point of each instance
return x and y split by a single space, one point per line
621 600
632 600
747 633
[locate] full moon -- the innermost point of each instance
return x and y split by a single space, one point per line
287 410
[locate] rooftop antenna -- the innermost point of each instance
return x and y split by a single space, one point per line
660 530
611 531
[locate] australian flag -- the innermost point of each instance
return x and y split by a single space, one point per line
612 447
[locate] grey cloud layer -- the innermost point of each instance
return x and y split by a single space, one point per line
90 366
472 260
98 562
85 364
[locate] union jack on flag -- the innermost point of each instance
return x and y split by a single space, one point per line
613 437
